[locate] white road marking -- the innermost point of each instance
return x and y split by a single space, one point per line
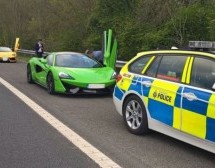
97 156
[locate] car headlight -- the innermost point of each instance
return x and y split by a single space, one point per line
63 75
113 75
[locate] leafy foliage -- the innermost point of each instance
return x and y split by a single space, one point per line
78 24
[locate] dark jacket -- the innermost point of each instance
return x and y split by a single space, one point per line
39 49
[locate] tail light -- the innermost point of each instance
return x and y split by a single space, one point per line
118 78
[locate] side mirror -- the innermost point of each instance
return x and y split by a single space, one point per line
45 55
44 61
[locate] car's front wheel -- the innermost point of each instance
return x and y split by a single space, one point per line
50 84
29 74
135 116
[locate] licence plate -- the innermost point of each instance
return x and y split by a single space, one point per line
96 86
5 59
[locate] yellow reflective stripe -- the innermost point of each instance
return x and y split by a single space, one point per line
164 92
177 118
185 70
146 101
124 69
125 82
189 70
211 107
194 123
147 65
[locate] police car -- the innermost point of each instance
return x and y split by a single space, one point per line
172 92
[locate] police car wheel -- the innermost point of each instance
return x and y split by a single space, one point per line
134 115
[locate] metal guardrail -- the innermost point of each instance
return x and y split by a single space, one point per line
119 64
30 52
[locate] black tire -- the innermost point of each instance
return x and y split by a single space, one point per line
111 89
50 84
29 74
134 115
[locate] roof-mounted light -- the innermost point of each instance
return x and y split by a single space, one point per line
202 44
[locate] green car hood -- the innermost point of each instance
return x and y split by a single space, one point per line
89 75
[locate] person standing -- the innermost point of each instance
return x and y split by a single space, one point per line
39 48
98 55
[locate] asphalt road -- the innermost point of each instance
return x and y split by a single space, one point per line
28 141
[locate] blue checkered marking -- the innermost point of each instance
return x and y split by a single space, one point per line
178 98
136 84
197 106
146 90
160 111
210 129
118 93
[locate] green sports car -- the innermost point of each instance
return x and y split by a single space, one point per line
71 72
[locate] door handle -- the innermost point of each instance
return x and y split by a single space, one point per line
190 96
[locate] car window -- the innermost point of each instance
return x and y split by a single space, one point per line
50 59
203 73
171 67
153 67
138 65
5 49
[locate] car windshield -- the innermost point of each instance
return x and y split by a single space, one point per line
76 60
5 49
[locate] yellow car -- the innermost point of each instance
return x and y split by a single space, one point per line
172 92
7 55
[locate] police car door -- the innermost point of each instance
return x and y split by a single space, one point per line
164 100
198 103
